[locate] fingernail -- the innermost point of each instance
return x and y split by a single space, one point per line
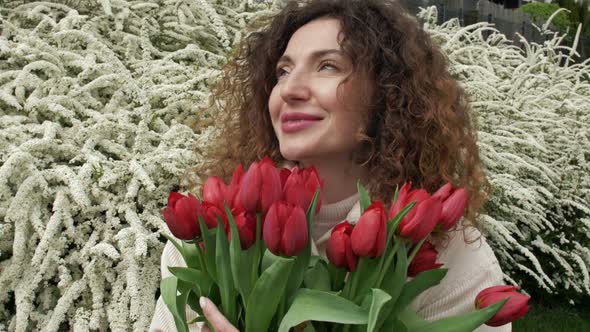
203 302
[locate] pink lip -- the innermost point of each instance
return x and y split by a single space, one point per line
294 126
294 121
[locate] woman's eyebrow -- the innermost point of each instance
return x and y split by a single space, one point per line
314 55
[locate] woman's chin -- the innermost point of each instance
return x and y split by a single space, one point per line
296 154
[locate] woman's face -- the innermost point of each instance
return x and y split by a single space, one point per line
312 116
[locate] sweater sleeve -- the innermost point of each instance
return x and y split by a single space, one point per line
162 321
471 268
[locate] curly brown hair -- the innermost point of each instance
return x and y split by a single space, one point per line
418 126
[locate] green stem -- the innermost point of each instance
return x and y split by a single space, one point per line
387 264
201 259
258 245
415 251
354 284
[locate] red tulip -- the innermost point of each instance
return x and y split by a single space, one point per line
231 193
369 236
181 215
417 225
212 211
339 248
260 187
214 191
246 225
424 260
284 175
399 203
453 209
444 192
301 185
514 308
285 229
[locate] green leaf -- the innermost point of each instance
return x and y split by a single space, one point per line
337 276
379 299
394 222
364 278
462 323
395 193
193 303
187 251
169 287
266 295
396 275
268 259
416 286
241 260
191 255
309 328
199 281
364 198
315 305
312 206
209 240
318 277
224 274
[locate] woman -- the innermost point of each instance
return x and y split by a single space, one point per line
359 90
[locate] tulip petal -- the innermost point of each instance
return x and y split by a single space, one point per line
367 235
214 190
453 209
272 229
294 237
443 192
249 194
173 197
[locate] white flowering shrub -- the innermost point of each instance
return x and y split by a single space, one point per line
96 99
534 139
98 106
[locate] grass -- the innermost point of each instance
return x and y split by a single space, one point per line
554 318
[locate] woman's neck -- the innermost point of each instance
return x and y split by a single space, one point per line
340 178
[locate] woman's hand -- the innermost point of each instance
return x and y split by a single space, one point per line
215 318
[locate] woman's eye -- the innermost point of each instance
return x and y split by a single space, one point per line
281 72
329 66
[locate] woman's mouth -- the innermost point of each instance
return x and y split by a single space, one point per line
292 126
295 121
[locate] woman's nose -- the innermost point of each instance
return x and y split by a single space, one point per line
295 87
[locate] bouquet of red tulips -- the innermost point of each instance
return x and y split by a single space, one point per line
249 243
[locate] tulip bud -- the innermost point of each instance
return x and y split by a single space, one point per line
453 209
246 225
369 236
231 193
424 260
400 202
284 175
418 225
285 229
418 196
181 215
443 192
300 187
212 211
514 308
339 249
214 191
260 187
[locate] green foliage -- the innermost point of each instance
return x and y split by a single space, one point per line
565 21
554 317
543 11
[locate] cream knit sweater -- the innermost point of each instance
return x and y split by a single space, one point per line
472 267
